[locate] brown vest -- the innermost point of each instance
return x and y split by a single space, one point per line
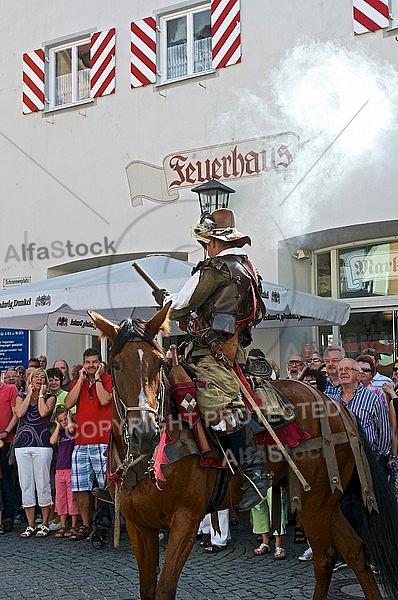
234 302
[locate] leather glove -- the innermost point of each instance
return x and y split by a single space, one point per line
160 296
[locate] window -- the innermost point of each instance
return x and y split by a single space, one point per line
186 44
324 275
69 74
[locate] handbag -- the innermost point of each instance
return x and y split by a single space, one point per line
11 452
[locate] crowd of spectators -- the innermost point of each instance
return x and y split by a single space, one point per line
47 462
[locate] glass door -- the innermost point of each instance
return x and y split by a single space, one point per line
372 329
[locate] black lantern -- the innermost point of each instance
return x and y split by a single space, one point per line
212 195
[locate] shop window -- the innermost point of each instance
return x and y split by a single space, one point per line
69 74
186 43
324 275
370 270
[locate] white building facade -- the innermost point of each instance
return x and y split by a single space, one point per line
112 112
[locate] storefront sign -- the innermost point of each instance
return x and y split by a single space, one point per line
376 267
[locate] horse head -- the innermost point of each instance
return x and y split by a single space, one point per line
135 360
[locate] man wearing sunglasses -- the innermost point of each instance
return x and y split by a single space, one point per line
368 371
378 379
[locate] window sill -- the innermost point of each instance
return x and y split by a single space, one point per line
184 78
78 104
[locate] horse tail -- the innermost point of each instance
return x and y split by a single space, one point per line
380 528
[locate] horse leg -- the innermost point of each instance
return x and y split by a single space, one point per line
352 549
181 540
324 553
145 542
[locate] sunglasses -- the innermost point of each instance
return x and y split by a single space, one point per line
395 369
366 370
311 381
314 360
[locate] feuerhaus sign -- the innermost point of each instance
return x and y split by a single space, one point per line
237 160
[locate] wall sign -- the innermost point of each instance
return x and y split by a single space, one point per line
14 348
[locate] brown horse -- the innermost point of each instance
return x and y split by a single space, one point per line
136 362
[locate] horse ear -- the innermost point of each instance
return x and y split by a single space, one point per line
155 324
104 327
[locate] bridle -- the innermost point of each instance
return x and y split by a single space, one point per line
137 333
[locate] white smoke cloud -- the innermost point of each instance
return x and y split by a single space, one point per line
343 105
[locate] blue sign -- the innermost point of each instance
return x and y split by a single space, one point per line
14 348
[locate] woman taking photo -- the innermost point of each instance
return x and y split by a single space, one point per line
33 450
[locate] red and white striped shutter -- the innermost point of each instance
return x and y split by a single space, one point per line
370 15
225 31
102 63
143 52
33 81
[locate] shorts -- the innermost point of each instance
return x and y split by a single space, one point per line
88 464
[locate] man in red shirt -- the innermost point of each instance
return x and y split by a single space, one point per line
91 393
8 421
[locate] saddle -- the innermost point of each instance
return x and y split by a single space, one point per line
277 409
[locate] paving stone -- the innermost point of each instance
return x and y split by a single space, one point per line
78 571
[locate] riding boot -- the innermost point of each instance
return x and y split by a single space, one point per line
244 450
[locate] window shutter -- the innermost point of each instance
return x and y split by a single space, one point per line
102 63
143 52
225 31
370 15
33 81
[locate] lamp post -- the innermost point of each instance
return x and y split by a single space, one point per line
212 195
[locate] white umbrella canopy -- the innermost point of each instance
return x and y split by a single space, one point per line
117 291
291 308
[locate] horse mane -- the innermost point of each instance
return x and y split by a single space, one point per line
131 329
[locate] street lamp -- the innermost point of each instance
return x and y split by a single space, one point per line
212 195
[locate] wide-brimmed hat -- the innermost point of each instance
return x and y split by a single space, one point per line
221 224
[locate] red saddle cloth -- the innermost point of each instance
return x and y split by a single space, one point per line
290 435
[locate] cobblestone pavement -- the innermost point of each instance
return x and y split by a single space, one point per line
53 568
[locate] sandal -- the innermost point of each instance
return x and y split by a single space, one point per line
71 531
63 532
29 531
262 549
42 531
213 548
81 534
299 536
205 542
280 553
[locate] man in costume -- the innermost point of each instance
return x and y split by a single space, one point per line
218 306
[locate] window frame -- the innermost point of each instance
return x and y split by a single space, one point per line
51 50
187 10
393 15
